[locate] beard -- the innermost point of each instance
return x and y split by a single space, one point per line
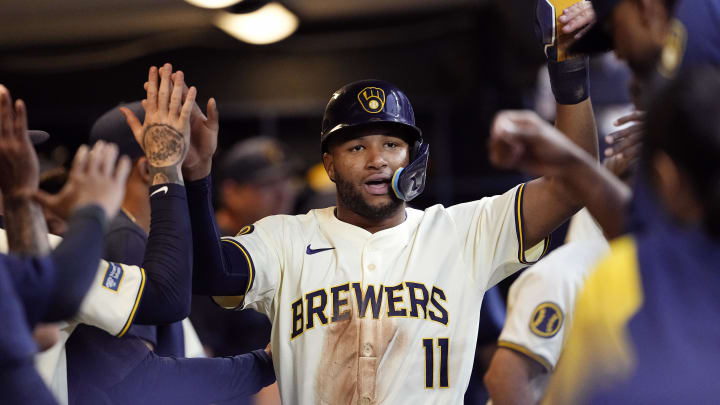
353 200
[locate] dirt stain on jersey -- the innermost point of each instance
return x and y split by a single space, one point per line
352 352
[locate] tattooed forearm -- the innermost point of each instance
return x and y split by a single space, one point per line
165 148
25 226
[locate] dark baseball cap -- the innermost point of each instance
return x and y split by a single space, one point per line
112 127
38 137
258 160
598 38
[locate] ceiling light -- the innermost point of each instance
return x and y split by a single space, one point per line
212 3
268 24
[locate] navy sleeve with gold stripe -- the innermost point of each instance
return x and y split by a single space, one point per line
220 268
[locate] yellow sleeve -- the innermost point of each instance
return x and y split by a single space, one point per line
598 351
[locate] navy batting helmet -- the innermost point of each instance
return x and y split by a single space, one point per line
376 102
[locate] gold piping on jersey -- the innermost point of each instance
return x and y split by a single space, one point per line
527 352
251 268
519 223
141 289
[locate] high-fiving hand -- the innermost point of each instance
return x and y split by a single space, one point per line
19 166
94 179
165 134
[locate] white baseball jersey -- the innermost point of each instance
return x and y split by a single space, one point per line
380 318
110 305
541 300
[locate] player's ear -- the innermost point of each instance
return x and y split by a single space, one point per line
329 165
143 169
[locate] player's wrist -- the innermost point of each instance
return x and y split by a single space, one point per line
570 80
198 171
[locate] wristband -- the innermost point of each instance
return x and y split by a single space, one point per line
570 80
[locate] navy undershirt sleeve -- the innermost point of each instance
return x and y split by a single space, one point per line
168 258
219 268
53 287
196 380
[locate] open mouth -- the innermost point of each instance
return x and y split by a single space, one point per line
378 186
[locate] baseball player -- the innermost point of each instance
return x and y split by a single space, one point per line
641 332
38 284
104 369
658 39
372 301
540 308
114 300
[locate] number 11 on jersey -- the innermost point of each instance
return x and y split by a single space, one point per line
443 346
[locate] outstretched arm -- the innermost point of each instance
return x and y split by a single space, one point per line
165 137
53 287
547 202
509 378
522 140
218 268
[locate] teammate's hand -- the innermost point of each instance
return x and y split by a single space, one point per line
577 19
203 138
93 179
165 134
522 140
625 145
19 168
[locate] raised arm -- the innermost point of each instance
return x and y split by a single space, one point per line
522 140
218 268
165 137
547 202
52 287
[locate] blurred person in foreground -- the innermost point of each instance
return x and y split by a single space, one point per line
541 300
647 305
113 301
39 284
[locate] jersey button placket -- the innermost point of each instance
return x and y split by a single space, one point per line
368 361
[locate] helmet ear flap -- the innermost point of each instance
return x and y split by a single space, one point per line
409 182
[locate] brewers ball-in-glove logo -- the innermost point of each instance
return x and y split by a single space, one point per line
372 99
546 320
674 49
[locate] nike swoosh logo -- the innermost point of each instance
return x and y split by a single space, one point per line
164 189
313 251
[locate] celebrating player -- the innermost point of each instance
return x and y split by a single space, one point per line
372 301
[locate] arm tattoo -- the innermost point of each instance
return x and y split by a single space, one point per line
165 148
25 226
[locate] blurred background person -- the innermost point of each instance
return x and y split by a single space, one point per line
52 181
254 181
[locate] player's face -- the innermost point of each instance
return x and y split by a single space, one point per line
362 169
639 34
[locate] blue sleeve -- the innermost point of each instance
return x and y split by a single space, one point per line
52 287
196 380
21 384
168 258
219 268
125 246
492 317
